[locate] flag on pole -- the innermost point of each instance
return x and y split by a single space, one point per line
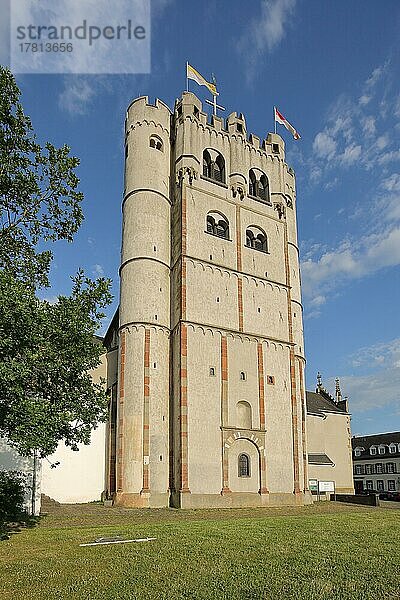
191 73
279 118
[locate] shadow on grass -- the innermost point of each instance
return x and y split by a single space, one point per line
23 521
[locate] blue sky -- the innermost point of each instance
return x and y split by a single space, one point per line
332 69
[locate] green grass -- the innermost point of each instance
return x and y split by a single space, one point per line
330 551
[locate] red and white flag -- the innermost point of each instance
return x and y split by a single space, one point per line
279 118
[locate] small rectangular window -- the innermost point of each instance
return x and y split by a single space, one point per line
275 148
369 485
239 127
378 467
243 376
212 371
379 485
270 380
391 485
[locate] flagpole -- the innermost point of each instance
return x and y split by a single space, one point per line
274 120
187 78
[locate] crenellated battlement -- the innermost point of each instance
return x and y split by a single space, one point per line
233 127
140 109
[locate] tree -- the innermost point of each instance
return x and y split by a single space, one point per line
46 351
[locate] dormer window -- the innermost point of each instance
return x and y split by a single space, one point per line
357 451
156 143
213 165
392 448
217 224
259 186
256 239
381 450
372 450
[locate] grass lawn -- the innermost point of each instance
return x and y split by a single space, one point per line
326 551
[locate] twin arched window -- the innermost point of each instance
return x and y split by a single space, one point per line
156 142
244 465
213 165
218 225
256 239
259 186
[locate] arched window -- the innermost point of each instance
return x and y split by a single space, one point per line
213 165
155 142
256 239
244 465
206 164
217 224
259 186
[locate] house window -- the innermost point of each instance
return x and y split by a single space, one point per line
378 468
390 468
379 485
372 450
381 450
155 142
368 469
217 224
357 452
392 448
369 485
391 485
214 166
259 187
358 470
256 239
212 371
244 465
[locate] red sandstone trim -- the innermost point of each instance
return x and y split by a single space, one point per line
146 409
224 411
184 413
240 303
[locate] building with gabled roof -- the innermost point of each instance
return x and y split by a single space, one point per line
329 438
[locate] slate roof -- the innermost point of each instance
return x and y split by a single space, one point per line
320 403
377 439
320 459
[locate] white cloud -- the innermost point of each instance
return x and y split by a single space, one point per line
324 145
98 271
77 94
364 100
368 125
349 261
392 183
351 154
265 31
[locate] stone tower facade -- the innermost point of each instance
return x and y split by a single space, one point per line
210 397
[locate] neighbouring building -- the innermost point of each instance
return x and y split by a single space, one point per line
329 438
376 460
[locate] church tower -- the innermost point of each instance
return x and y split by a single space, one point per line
211 396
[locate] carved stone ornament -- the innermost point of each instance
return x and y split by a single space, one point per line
238 190
280 209
188 173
